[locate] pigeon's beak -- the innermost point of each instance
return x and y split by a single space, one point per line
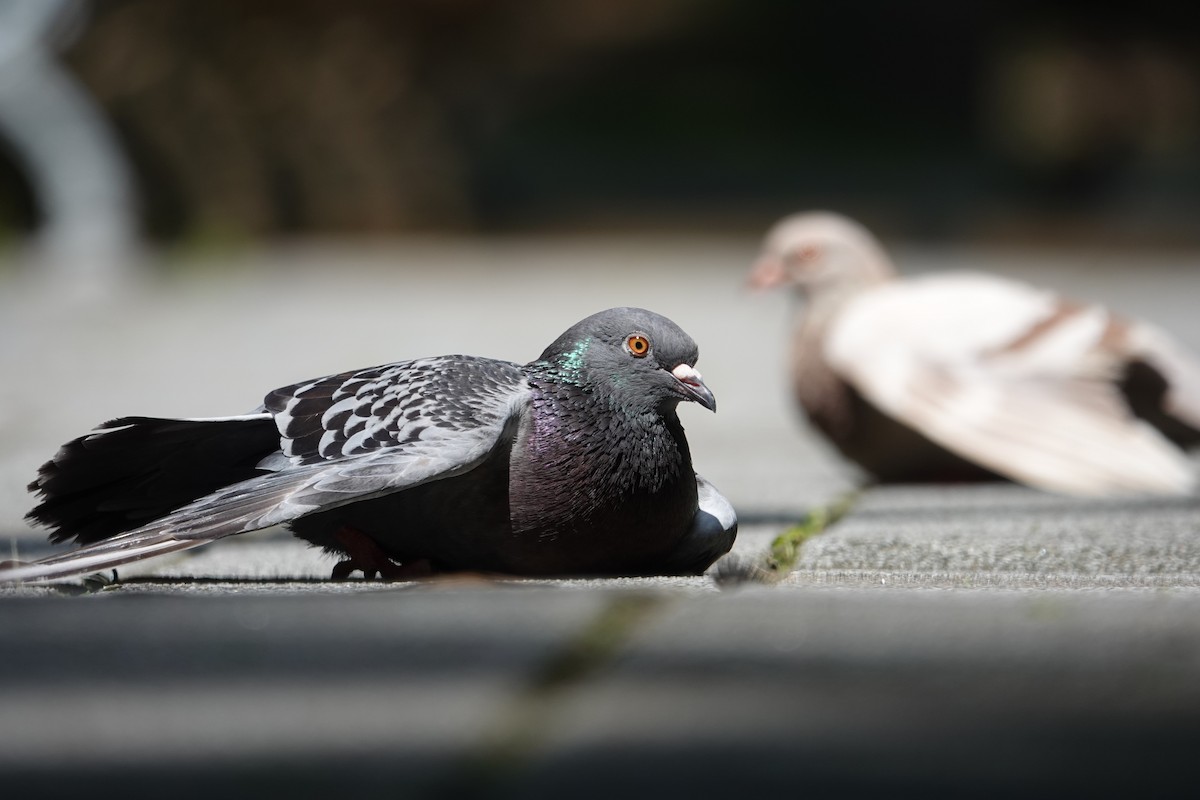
767 273
693 386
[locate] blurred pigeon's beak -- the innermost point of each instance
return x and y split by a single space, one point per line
768 273
693 386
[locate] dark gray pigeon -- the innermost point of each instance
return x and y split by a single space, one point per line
574 464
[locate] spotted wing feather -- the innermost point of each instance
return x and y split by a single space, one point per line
345 438
401 404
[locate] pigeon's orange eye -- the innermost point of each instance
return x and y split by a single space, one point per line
637 345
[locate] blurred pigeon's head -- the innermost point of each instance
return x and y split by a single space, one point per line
640 359
818 252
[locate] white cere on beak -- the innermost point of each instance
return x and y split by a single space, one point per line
687 374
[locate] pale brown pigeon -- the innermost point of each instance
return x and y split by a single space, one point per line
967 376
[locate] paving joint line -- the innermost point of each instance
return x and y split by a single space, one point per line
511 744
781 557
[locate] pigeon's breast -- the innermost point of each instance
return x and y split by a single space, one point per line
597 491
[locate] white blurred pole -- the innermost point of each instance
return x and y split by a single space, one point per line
66 148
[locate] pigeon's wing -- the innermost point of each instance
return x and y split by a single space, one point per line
711 534
345 438
1178 369
1008 376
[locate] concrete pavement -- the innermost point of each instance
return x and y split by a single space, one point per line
933 641
643 688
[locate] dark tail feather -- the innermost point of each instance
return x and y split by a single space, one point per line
134 470
241 507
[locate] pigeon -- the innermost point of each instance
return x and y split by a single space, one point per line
574 464
966 376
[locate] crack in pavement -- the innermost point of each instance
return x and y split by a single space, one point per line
510 744
780 558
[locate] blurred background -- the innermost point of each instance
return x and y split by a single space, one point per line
203 199
239 119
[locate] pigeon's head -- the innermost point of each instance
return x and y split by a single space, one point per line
641 359
820 253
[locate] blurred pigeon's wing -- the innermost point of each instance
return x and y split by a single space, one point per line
1007 376
345 438
1179 370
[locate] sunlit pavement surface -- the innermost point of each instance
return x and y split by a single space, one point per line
933 641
